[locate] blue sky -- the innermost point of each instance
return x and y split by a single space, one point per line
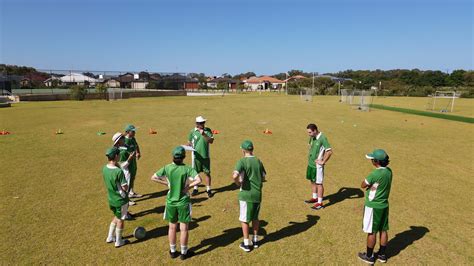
233 36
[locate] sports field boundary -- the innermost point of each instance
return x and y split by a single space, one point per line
457 118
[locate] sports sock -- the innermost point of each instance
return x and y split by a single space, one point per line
173 248
382 250
246 241
370 252
315 195
118 236
255 238
320 200
184 249
208 188
111 231
195 187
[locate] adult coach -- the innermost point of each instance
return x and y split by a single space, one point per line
319 153
378 185
199 138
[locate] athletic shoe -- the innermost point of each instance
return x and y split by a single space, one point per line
312 200
209 194
255 244
317 206
174 255
110 240
244 247
363 256
129 217
195 192
122 243
131 203
382 258
188 254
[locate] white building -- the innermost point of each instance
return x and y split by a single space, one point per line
78 79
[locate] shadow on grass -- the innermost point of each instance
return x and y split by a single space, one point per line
163 230
215 191
229 236
404 239
161 209
151 195
343 194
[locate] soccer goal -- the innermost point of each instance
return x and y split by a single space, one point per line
306 94
345 96
360 99
442 101
114 94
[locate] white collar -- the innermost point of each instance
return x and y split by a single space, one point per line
319 135
111 167
381 167
249 156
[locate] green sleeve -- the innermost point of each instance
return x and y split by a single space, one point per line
264 172
161 172
326 144
208 132
121 179
190 136
239 166
371 178
192 173
123 155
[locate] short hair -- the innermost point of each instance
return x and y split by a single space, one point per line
384 162
178 160
111 157
312 126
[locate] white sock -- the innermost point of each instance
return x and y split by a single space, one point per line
195 187
246 241
255 238
111 231
315 195
173 248
184 249
208 188
320 200
118 236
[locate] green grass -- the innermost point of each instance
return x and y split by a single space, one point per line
54 208
425 113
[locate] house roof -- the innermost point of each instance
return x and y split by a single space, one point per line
263 79
77 77
220 79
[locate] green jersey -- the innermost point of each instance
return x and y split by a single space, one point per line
114 179
252 174
178 176
380 181
317 147
124 154
200 144
132 145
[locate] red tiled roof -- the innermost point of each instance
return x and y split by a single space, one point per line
264 79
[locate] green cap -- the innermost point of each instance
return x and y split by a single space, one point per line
247 145
130 128
112 151
179 152
377 154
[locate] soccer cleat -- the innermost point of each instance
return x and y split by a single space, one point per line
188 254
312 200
244 247
209 194
317 206
122 243
174 255
382 258
110 240
255 244
131 203
195 192
363 256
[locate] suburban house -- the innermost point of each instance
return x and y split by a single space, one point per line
297 77
77 79
125 80
263 83
231 83
53 81
191 83
33 79
112 83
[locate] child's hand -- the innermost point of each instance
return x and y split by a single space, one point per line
130 157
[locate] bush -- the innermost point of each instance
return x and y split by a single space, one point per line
78 93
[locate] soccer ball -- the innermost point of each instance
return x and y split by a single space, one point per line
139 233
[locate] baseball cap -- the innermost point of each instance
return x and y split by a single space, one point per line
112 151
130 128
247 145
377 154
179 152
200 119
117 136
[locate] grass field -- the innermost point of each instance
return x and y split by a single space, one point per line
55 210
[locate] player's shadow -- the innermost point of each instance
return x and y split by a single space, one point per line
152 195
343 194
161 209
163 230
404 239
292 229
230 187
228 237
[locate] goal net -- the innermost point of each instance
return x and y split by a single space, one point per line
114 94
306 94
442 101
358 99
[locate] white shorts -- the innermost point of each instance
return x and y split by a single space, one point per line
319 174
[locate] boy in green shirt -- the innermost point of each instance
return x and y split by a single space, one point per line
179 178
378 185
132 146
199 138
117 188
249 174
125 158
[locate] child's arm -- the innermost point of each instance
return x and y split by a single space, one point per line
236 178
159 179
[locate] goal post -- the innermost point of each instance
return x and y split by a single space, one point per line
443 101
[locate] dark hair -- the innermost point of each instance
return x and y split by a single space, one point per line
383 163
178 160
110 158
312 126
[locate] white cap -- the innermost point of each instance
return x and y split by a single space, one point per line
200 119
117 136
